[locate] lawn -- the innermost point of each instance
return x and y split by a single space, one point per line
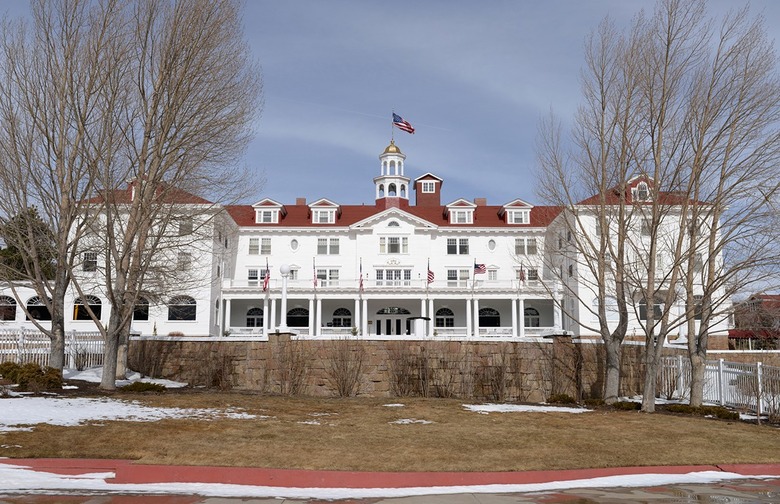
399 434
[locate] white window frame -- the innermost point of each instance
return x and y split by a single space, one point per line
89 262
266 216
428 186
328 277
518 216
393 277
461 216
254 246
323 216
458 277
328 246
399 243
265 246
526 246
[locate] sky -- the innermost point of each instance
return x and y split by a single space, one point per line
473 78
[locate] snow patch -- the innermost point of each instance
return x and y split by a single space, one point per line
409 421
394 405
522 408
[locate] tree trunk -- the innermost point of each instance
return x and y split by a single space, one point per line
612 371
121 359
57 336
698 367
651 371
110 351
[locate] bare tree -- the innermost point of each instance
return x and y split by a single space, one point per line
52 74
701 135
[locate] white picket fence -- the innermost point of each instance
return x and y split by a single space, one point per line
82 349
749 387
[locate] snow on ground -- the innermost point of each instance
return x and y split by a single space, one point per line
18 412
18 479
394 405
409 421
484 409
95 374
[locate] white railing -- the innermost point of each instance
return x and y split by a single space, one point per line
495 332
82 349
751 387
374 285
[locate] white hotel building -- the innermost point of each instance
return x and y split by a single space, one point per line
361 269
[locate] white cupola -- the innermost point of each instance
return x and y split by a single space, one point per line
391 182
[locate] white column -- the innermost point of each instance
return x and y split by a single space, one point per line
521 320
266 316
356 320
365 317
312 315
476 317
318 323
556 310
468 317
273 314
227 313
432 316
514 318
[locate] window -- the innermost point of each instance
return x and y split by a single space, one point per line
254 317
658 309
647 226
428 187
458 246
393 277
444 318
7 308
533 275
642 192
89 261
698 262
571 270
298 317
342 317
80 308
185 226
393 245
610 309
294 244
141 309
697 306
328 277
491 245
254 246
525 246
492 275
294 273
266 216
489 317
518 217
252 277
461 216
327 246
323 216
265 246
38 309
184 260
458 278
531 317
181 308
393 224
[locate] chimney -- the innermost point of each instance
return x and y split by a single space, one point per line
300 201
480 201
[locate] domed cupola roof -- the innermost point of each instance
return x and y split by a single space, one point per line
392 148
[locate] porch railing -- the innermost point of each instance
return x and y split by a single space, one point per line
82 349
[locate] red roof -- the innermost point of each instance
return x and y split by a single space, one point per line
614 196
172 195
484 216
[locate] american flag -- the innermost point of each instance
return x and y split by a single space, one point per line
360 282
267 276
430 273
399 123
521 274
479 269
314 272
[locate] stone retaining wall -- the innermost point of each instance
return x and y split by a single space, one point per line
522 371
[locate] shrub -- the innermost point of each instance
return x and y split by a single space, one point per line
594 402
561 399
627 406
143 387
31 376
716 411
176 333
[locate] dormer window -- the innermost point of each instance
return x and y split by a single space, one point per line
642 192
461 216
323 216
265 216
428 187
518 216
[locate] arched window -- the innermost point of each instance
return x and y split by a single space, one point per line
391 191
392 169
403 190
658 309
37 309
381 190
7 308
141 309
342 317
182 308
298 317
80 308
531 317
254 317
642 192
488 317
384 168
444 318
393 224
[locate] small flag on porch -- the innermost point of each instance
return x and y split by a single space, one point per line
267 276
521 274
479 269
430 273
360 281
314 272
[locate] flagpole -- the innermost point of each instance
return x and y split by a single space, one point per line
392 129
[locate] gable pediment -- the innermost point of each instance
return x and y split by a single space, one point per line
384 217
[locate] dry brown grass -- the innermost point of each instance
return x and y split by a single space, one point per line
357 434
